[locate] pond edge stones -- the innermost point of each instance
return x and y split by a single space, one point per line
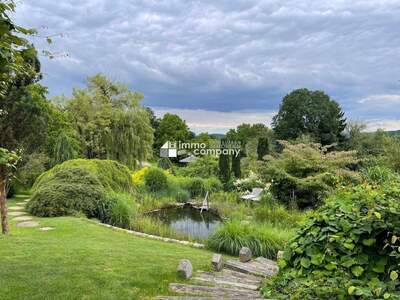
185 269
217 262
245 254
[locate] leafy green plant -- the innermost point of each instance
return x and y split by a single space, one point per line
349 249
305 173
155 180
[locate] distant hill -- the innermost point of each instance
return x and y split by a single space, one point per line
217 136
394 132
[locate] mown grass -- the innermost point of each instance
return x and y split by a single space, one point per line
82 260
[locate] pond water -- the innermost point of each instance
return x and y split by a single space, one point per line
189 221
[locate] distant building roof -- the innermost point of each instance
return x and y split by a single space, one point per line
188 159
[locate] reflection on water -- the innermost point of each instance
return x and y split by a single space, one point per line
189 221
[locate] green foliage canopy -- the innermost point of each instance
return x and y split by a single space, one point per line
304 173
305 112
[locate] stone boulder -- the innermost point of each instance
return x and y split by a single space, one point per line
217 262
185 269
245 254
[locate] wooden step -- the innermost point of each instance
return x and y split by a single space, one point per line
214 291
229 278
258 267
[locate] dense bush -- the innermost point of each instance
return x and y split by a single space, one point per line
262 239
305 173
34 165
248 183
111 174
69 191
206 166
82 186
155 180
350 249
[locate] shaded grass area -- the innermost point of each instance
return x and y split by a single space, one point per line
82 260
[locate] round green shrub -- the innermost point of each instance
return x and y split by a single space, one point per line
155 180
112 175
348 249
79 186
70 191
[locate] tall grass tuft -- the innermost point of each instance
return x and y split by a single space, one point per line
263 239
123 210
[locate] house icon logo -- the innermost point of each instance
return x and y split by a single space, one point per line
169 149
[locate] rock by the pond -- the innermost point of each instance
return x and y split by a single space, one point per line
185 269
22 218
16 208
46 228
279 255
245 254
217 262
28 224
16 213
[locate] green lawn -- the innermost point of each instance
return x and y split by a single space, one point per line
83 260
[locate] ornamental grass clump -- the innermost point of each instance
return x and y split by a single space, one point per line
263 239
349 249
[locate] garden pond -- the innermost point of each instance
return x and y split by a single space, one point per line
189 221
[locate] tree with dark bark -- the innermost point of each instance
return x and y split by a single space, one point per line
8 161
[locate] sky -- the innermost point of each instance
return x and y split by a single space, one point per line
220 63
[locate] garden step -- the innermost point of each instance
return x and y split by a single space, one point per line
229 278
260 267
214 291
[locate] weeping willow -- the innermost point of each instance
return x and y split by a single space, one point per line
130 137
64 149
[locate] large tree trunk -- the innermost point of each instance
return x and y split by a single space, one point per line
3 205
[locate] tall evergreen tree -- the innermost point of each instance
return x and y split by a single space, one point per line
236 168
262 147
224 168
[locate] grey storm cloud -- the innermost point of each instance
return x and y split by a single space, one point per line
227 55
